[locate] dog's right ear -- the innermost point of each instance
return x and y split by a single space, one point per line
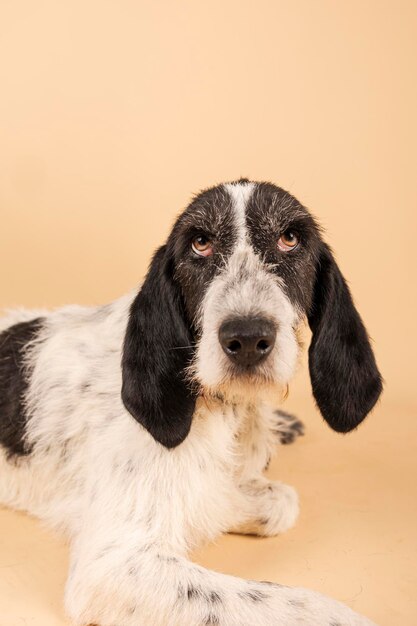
157 349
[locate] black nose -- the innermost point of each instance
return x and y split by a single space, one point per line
247 341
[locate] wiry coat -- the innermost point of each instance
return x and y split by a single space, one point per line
133 430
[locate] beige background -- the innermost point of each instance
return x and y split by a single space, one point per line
111 114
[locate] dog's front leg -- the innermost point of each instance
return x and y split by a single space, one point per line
120 581
129 564
265 427
267 507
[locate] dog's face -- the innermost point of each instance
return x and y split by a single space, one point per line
219 311
245 258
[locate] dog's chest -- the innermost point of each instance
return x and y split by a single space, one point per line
193 490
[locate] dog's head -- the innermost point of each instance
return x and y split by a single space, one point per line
219 310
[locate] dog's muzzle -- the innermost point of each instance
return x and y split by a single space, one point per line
247 341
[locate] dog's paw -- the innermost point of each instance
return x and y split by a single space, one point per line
280 511
288 427
276 506
302 607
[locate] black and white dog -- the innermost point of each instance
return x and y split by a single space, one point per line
142 428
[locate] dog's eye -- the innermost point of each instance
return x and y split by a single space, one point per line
288 240
202 246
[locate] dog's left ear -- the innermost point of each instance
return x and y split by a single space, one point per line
344 376
157 349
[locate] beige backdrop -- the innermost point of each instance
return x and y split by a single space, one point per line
112 113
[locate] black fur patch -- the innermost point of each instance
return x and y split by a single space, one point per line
157 349
214 597
13 384
193 592
269 213
344 376
210 214
253 596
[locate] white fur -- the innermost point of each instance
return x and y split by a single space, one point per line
131 508
240 195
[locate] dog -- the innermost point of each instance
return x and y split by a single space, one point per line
141 429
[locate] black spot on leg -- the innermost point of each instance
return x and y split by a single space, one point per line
145 548
64 451
193 592
211 597
129 467
214 597
288 427
167 559
253 596
171 559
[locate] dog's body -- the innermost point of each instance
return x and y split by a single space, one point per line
134 499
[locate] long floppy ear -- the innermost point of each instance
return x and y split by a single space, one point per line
344 376
157 349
